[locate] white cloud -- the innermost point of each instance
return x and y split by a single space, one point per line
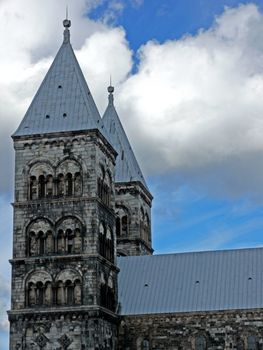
113 11
198 101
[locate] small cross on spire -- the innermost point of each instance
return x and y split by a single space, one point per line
110 91
66 24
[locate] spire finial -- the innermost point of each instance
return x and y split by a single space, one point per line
110 91
66 24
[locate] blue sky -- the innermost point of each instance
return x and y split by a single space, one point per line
168 19
206 179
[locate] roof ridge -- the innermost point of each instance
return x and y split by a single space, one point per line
196 252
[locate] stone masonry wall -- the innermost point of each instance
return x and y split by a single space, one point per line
220 330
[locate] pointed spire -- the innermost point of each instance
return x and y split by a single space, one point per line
66 24
63 101
127 167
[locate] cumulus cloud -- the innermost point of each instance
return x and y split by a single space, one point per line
198 102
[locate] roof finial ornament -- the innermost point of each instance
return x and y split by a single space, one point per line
66 24
110 91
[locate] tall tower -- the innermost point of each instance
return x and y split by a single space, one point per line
133 198
64 274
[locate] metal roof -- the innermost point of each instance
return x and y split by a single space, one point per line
63 101
127 167
188 282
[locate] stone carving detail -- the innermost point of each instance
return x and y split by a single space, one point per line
41 340
65 341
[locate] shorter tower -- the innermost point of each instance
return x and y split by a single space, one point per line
133 198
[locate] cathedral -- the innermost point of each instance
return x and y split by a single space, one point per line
84 276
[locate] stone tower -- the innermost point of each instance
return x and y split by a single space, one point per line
64 273
133 198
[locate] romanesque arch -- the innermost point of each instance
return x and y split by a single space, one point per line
106 242
40 180
104 182
40 237
69 178
68 287
122 221
38 287
68 237
46 180
107 292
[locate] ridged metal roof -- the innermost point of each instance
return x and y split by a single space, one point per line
127 167
63 101
188 282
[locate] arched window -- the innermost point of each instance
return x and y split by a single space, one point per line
60 242
60 293
104 186
41 186
40 294
69 289
48 294
32 249
69 185
69 237
33 188
40 240
49 186
102 240
77 292
41 243
77 184
200 343
107 189
49 243
32 296
142 222
103 295
69 181
145 344
78 241
41 180
70 241
109 248
146 228
252 343
122 221
110 295
100 182
61 185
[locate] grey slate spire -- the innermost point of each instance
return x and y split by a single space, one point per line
63 101
127 167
